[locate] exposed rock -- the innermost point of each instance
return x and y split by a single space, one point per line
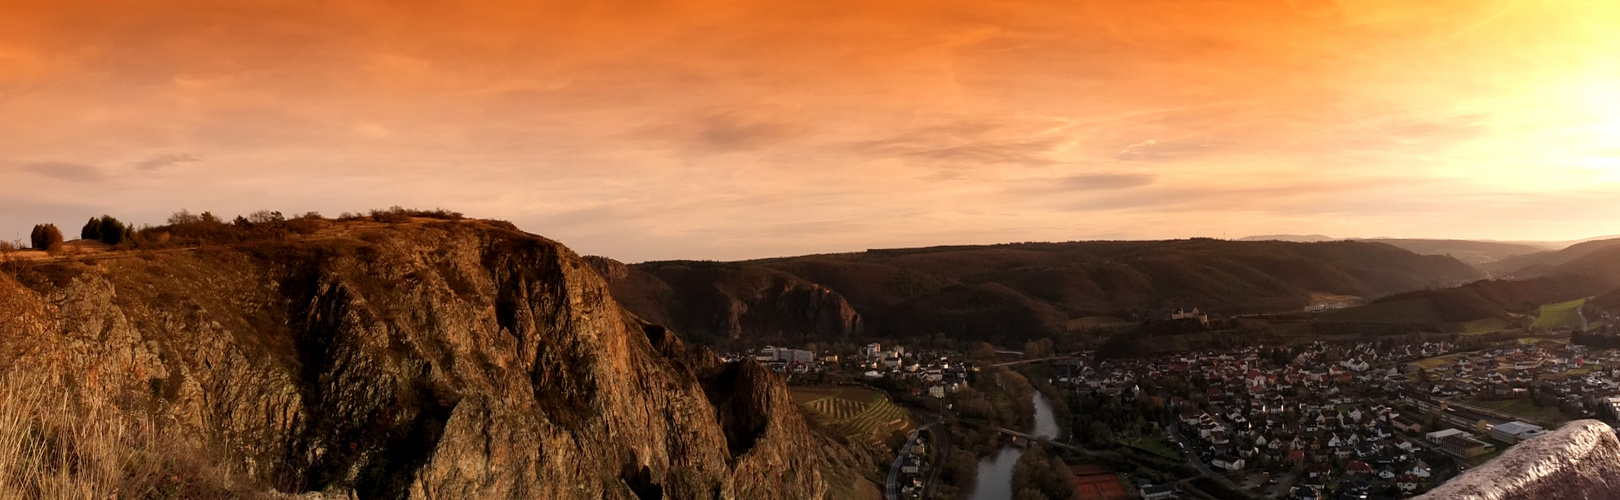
1580 460
438 360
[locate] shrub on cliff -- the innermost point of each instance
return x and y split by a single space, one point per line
60 446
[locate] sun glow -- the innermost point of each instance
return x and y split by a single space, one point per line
647 128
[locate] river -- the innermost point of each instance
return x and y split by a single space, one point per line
995 471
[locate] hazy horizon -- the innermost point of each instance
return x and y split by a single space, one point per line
742 129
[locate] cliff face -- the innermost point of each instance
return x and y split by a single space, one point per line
1581 460
424 360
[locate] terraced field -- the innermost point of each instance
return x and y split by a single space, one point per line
858 413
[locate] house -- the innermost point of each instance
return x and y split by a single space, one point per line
909 465
1227 462
1358 467
1318 471
1407 482
1406 425
1465 447
1157 491
1404 444
1513 432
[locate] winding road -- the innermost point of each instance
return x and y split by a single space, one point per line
1192 459
892 492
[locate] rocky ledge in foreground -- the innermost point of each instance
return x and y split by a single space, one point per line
1581 460
421 360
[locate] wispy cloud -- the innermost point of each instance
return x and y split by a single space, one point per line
67 171
719 133
165 160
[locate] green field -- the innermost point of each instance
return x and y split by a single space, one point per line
1484 326
858 413
1560 315
1435 362
1417 310
1520 407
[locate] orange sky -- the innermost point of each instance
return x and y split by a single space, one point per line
644 129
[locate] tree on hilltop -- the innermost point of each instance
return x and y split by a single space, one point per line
45 237
111 230
92 230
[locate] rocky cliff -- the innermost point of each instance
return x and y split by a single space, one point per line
1581 460
420 360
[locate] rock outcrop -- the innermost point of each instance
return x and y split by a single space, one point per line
1580 460
421 360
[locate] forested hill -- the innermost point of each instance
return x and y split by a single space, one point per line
1586 270
1012 291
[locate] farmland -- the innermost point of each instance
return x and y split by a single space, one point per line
1520 407
858 413
1560 315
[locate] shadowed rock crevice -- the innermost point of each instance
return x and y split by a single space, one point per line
641 482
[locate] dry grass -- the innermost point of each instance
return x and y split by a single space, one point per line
56 446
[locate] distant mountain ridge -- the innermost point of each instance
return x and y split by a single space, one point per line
1489 255
1010 292
1525 283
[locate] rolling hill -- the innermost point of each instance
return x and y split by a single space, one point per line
1552 262
1584 270
1477 253
1474 252
1010 292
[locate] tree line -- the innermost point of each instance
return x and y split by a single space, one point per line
184 228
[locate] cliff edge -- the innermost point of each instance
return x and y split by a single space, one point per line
1581 460
415 360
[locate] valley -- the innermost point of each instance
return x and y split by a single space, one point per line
380 346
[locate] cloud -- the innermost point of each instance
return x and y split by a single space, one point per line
719 133
67 171
952 147
165 160
1107 180
1093 183
1154 150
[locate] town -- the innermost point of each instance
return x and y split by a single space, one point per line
1364 419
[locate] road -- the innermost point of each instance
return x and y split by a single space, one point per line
892 492
1198 463
1027 361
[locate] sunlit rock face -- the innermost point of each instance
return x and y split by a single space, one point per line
1579 460
419 360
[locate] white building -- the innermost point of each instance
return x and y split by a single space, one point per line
1513 432
1436 436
